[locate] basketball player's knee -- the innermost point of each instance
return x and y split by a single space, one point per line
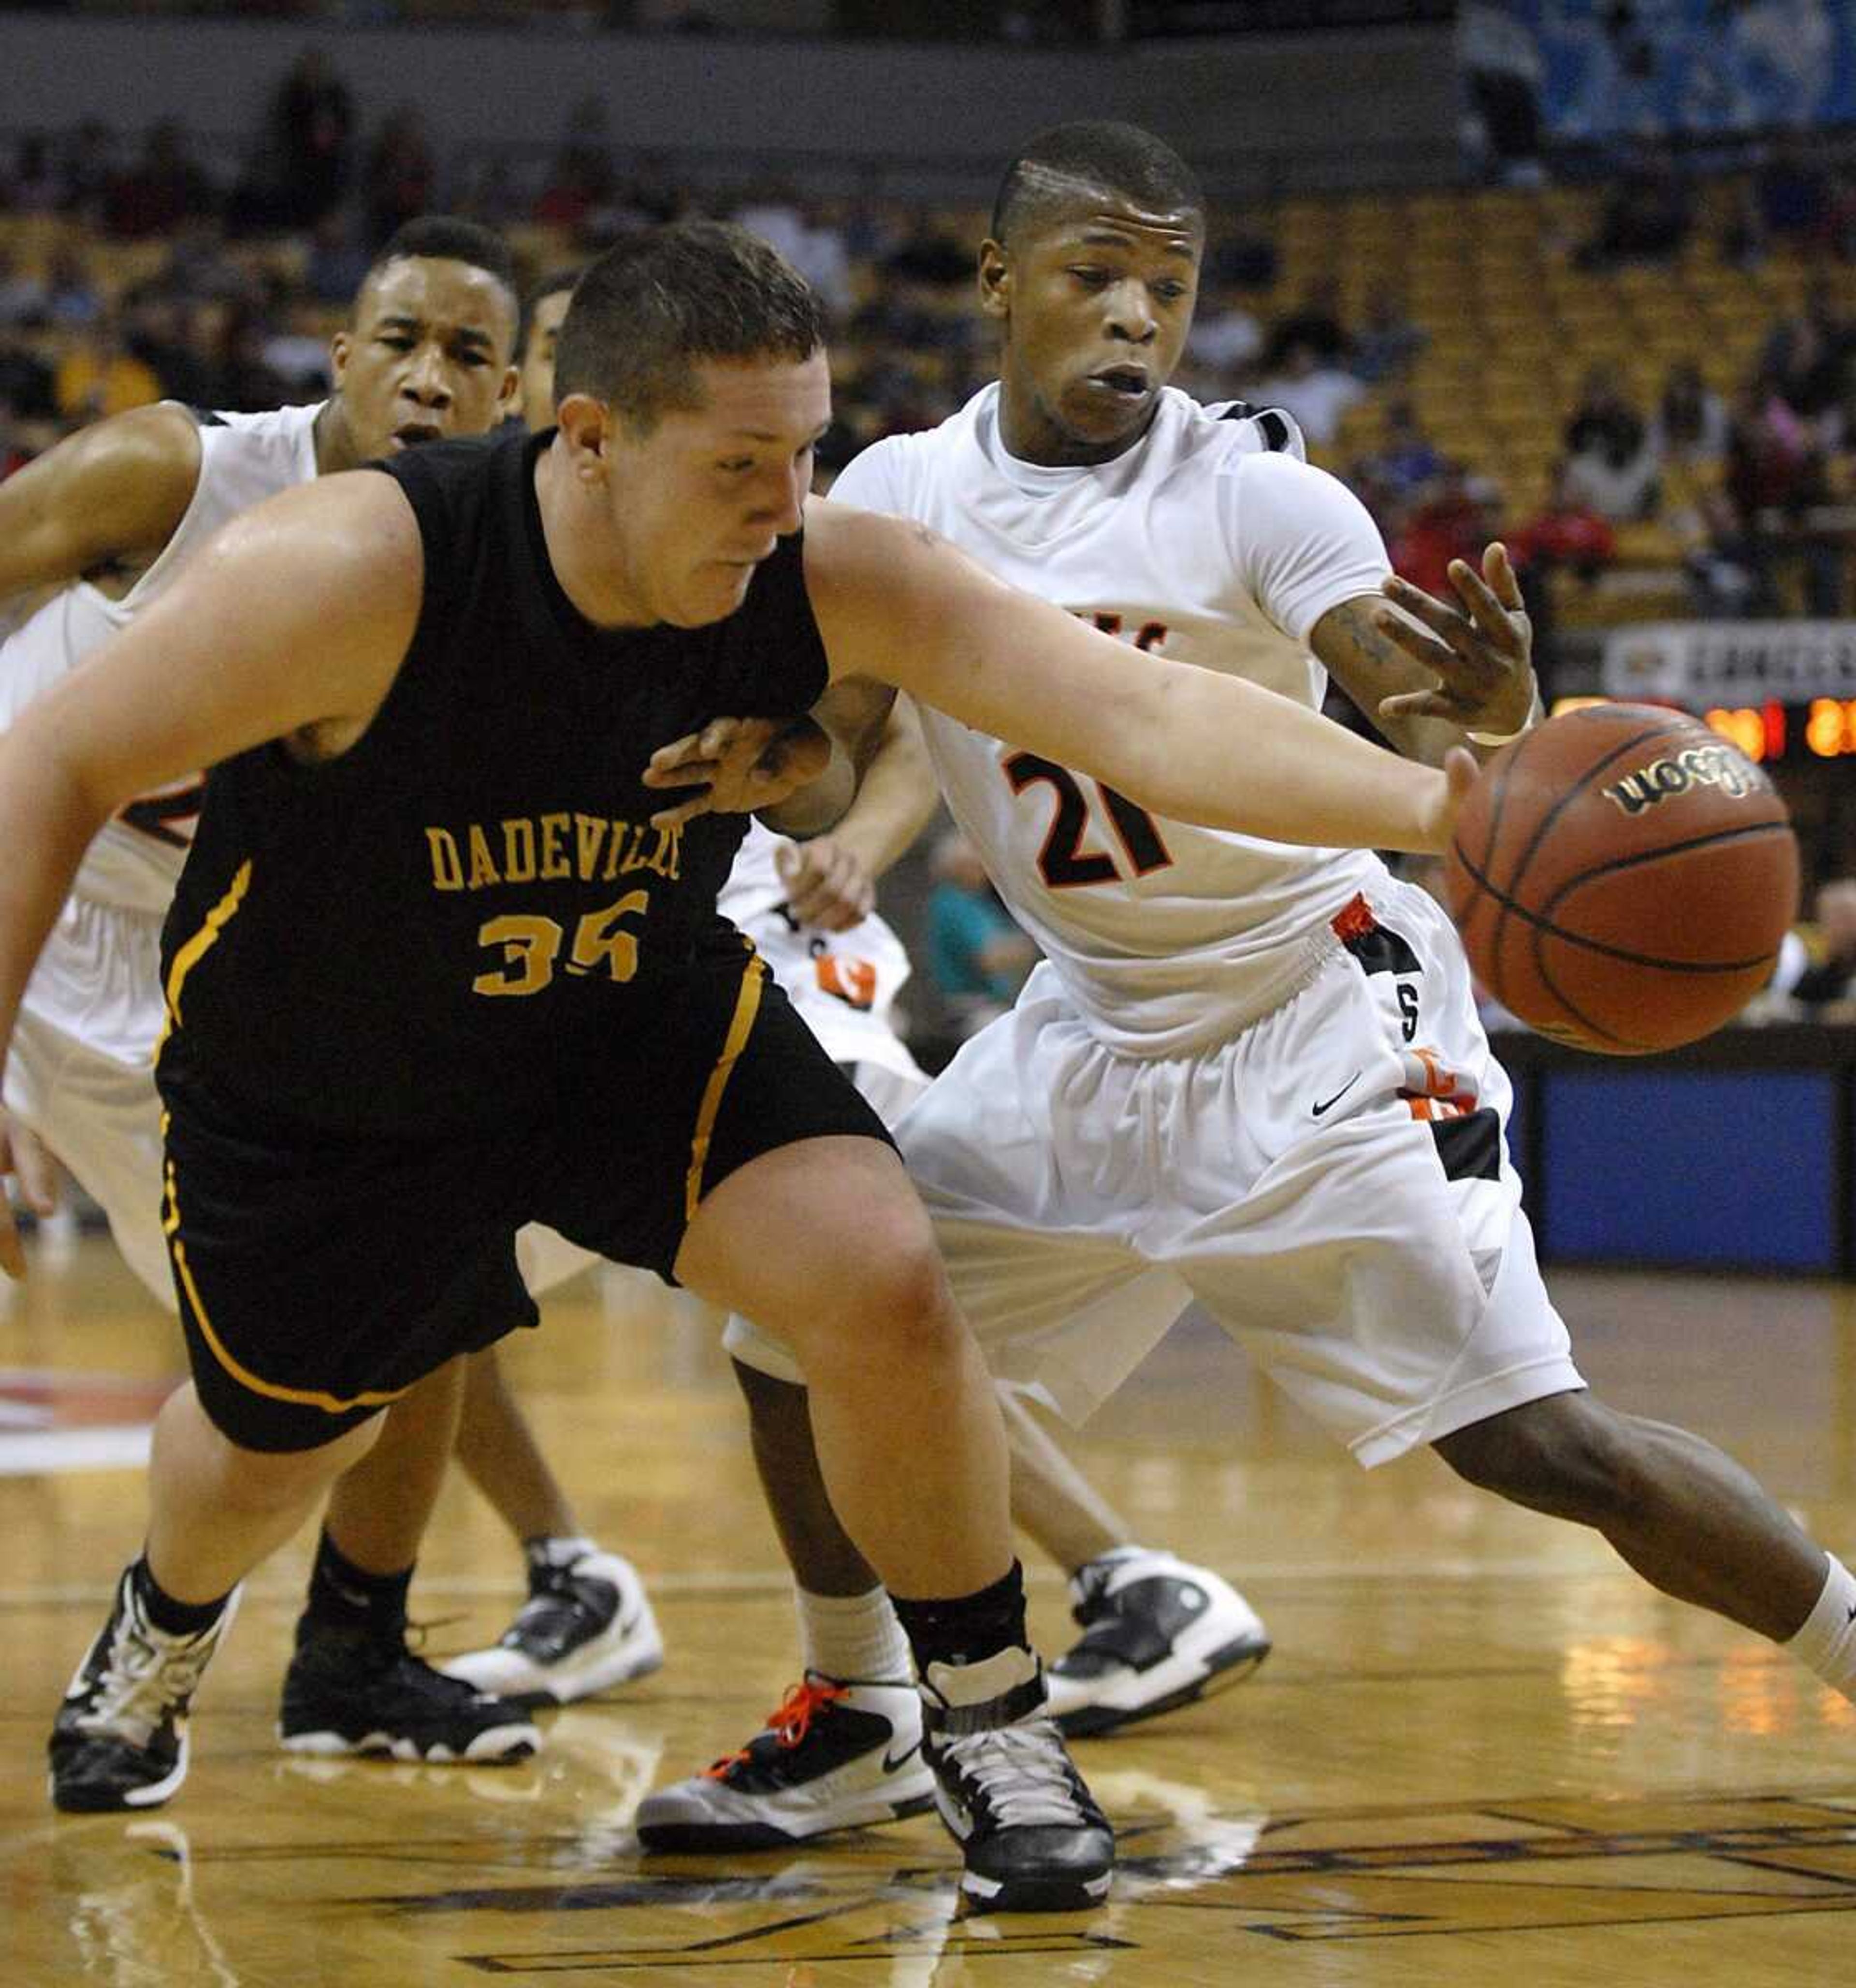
1567 1456
910 1305
872 1301
901 1309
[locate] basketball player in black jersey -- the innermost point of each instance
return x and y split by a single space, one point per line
445 960
581 1625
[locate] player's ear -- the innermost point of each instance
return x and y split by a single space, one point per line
587 425
508 395
995 278
340 346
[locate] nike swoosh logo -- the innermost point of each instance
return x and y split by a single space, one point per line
1330 1103
893 1763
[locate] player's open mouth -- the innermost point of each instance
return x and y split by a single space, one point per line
411 434
1131 381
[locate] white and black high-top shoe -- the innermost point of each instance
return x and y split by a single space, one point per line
1158 1633
839 1753
584 1627
119 1740
1032 1837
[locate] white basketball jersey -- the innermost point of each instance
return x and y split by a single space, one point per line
135 860
1202 545
844 984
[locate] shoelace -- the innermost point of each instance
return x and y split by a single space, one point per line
1022 1770
141 1682
789 1722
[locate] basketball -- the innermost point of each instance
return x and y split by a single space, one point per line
1622 878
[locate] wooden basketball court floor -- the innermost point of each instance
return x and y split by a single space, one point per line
1482 1753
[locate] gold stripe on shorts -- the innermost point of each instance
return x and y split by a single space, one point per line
747 1005
307 1397
202 942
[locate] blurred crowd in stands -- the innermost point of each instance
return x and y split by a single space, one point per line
135 268
159 269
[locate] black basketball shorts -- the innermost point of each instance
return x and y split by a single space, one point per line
320 1276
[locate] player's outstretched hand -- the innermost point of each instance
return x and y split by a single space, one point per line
1461 771
1481 650
736 765
827 885
23 1157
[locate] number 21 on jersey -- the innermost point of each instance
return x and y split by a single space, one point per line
1064 862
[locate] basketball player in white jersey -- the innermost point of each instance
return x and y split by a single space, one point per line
110 516
1246 1074
807 908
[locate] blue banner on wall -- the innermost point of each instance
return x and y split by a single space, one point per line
1609 69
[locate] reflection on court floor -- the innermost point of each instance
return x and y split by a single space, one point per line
1483 1753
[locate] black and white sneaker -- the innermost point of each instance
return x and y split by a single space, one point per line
1033 1839
354 1691
119 1740
1158 1633
584 1627
837 1755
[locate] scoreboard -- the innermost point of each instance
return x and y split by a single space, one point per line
1824 729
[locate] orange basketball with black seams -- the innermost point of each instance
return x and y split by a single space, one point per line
1623 878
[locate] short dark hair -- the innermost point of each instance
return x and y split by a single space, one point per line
1108 157
651 307
550 286
442 238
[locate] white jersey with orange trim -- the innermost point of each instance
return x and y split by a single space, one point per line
1209 543
1247 1075
136 859
843 983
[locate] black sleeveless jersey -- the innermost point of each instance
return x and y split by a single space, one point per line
439 928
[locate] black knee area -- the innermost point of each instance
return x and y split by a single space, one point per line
1567 1456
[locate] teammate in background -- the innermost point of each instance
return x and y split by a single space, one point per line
808 908
109 517
407 1013
1247 1074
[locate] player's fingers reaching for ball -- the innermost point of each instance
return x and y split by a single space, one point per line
1484 664
1461 773
1457 632
1499 571
1502 623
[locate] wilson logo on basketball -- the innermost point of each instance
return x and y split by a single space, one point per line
1697 766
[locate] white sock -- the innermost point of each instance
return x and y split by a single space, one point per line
853 1636
1826 1644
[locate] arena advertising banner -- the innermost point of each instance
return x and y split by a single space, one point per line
1603 70
1702 663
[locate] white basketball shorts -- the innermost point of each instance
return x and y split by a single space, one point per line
1332 1185
80 1070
